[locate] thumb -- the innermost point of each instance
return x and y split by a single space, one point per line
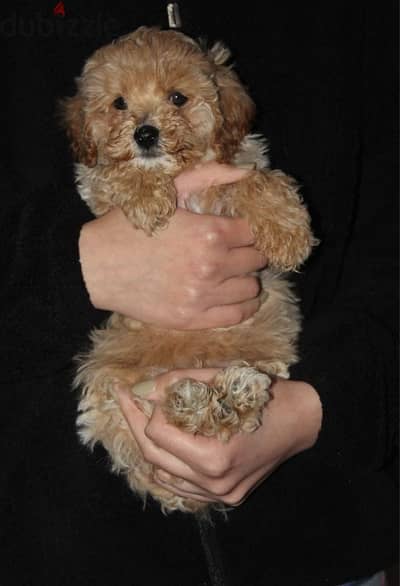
204 175
154 390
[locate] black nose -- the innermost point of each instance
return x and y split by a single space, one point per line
146 136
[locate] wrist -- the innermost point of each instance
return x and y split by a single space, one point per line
95 257
298 407
86 263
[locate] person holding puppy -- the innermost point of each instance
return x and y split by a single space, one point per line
311 493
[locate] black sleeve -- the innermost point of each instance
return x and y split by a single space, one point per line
45 311
349 345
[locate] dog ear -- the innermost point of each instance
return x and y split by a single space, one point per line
237 107
74 121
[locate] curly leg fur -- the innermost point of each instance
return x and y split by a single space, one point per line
147 199
232 402
271 203
149 203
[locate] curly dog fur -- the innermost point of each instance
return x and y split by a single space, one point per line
148 106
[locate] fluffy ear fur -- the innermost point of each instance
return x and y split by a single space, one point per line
74 121
237 107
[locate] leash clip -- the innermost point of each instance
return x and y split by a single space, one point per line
174 17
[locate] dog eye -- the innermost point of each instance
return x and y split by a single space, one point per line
119 103
177 98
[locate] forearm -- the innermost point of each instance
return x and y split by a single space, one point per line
46 312
210 470
348 356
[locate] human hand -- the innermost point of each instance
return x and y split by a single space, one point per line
194 274
207 470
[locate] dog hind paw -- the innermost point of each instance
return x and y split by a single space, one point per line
232 402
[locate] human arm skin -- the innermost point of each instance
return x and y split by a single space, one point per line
207 469
192 275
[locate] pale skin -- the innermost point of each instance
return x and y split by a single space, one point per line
192 275
206 469
195 274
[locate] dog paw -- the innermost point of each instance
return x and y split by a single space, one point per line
188 404
274 368
246 392
151 213
232 402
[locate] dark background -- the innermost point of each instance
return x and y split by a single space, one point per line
300 63
324 78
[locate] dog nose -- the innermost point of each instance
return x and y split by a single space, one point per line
146 136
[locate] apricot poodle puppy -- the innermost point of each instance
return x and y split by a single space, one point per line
149 105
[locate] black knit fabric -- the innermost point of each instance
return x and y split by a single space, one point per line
324 83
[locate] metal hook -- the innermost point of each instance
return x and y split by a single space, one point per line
174 17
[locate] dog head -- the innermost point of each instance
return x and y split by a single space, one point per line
156 100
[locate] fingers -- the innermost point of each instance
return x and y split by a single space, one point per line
179 449
152 453
236 231
194 450
230 489
183 488
225 316
205 175
213 479
205 469
192 491
171 472
242 261
237 290
227 491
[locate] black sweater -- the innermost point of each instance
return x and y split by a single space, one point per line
323 79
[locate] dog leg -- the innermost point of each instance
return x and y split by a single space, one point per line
274 368
270 201
232 402
148 201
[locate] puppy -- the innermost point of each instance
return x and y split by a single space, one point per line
148 106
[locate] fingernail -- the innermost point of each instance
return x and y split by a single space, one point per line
143 389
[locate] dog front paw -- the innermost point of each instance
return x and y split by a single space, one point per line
150 203
232 402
